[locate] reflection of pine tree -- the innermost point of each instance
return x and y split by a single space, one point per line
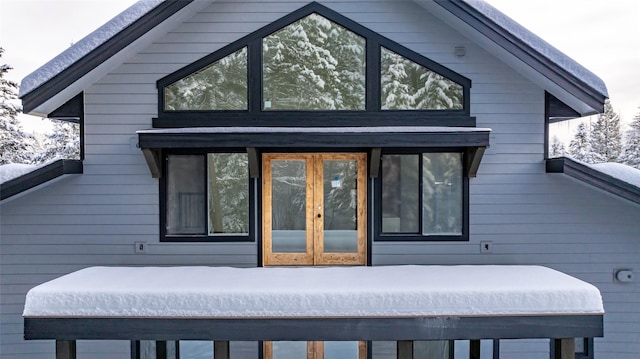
219 86
408 85
228 193
442 193
340 202
314 64
289 195
631 152
606 139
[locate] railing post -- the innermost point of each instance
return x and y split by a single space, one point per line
221 349
65 349
405 349
564 348
474 349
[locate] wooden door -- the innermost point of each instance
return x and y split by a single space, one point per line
314 209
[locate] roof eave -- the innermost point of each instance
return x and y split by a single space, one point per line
59 87
591 98
37 178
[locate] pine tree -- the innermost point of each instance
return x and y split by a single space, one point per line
580 147
631 152
63 142
606 138
557 148
14 142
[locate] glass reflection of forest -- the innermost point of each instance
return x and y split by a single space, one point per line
314 64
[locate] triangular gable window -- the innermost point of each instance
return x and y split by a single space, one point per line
313 67
406 85
219 86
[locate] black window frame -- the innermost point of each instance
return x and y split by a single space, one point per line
419 237
373 115
164 237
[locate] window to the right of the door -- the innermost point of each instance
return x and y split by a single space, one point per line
423 196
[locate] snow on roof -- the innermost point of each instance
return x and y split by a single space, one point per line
554 55
86 45
14 170
380 129
619 171
268 292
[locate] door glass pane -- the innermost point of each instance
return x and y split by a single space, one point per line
442 193
288 206
313 64
289 350
195 349
185 195
219 86
340 206
400 188
228 179
431 349
342 350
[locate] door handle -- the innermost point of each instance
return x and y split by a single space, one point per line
319 215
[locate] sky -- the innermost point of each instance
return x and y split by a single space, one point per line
603 36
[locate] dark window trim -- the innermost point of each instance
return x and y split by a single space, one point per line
419 237
221 238
587 354
253 42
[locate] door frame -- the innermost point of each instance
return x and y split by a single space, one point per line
314 254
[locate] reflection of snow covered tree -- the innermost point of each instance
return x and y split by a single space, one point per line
63 142
15 144
289 194
631 152
219 86
228 193
314 64
408 85
442 193
580 146
340 194
606 139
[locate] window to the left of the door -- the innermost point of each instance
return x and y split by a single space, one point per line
206 197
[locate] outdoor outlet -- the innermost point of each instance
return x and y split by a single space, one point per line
486 247
623 275
141 247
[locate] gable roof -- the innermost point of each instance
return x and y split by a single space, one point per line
53 84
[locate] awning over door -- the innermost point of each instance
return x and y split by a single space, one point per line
472 140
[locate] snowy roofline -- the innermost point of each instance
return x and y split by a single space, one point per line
142 7
89 43
541 46
380 129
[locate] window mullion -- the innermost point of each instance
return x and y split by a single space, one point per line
254 71
420 190
205 163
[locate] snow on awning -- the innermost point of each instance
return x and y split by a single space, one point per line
473 140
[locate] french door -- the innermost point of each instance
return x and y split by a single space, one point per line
314 209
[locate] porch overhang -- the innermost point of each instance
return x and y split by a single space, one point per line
472 140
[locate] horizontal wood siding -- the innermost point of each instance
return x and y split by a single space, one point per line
531 217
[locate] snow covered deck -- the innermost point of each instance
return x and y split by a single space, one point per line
314 303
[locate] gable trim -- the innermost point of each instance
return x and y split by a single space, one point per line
594 177
591 96
39 176
78 69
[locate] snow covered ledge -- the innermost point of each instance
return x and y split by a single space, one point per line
400 303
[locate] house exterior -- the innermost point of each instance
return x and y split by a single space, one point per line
270 133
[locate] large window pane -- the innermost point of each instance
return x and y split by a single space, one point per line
288 206
340 180
406 85
314 64
185 200
442 194
219 86
228 185
400 188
